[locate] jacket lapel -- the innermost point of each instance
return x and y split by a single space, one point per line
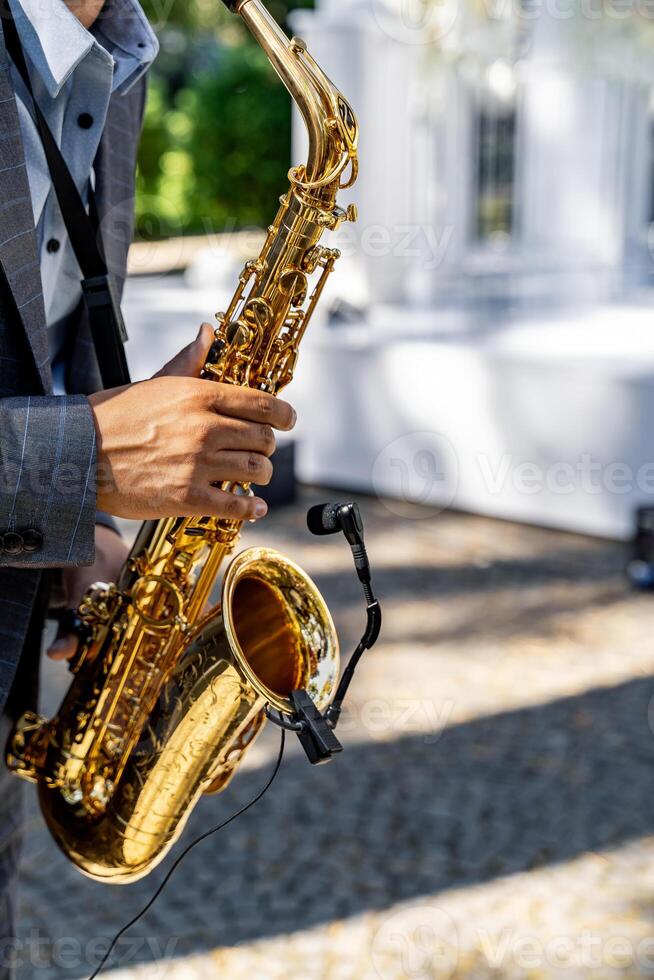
19 256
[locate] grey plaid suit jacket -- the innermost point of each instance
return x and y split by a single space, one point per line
47 443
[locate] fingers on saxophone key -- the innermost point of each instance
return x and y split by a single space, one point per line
254 406
244 467
235 507
235 434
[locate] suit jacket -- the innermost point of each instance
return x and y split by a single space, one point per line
47 442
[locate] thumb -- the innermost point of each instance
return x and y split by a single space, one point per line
190 360
63 647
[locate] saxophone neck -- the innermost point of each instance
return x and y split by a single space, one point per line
331 124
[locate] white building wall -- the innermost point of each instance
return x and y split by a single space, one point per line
533 354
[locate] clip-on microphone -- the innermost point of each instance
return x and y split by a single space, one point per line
315 730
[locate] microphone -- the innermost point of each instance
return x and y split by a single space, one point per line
322 519
331 518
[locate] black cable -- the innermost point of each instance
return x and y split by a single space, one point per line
181 857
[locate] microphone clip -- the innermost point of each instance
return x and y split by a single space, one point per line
316 737
312 728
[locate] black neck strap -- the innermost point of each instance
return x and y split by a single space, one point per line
84 232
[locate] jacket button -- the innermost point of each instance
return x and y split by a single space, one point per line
32 540
13 543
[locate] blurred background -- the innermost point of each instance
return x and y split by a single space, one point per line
480 377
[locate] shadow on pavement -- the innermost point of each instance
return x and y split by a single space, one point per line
385 822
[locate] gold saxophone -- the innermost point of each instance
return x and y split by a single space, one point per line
165 701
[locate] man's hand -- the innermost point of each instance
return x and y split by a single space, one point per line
163 443
110 555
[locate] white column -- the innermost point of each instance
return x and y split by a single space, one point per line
571 200
639 243
383 79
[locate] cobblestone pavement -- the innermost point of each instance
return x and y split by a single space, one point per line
491 815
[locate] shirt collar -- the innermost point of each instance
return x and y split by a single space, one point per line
123 29
56 42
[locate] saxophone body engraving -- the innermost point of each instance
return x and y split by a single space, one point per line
166 698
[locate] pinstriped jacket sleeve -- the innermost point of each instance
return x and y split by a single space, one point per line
48 478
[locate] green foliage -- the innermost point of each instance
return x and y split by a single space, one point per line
194 14
216 142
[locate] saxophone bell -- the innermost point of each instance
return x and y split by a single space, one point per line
271 634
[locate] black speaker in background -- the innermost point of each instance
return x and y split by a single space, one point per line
282 489
640 567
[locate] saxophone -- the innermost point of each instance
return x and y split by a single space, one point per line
166 699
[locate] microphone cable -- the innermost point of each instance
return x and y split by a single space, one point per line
187 850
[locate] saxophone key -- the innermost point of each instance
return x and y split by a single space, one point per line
239 335
216 351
